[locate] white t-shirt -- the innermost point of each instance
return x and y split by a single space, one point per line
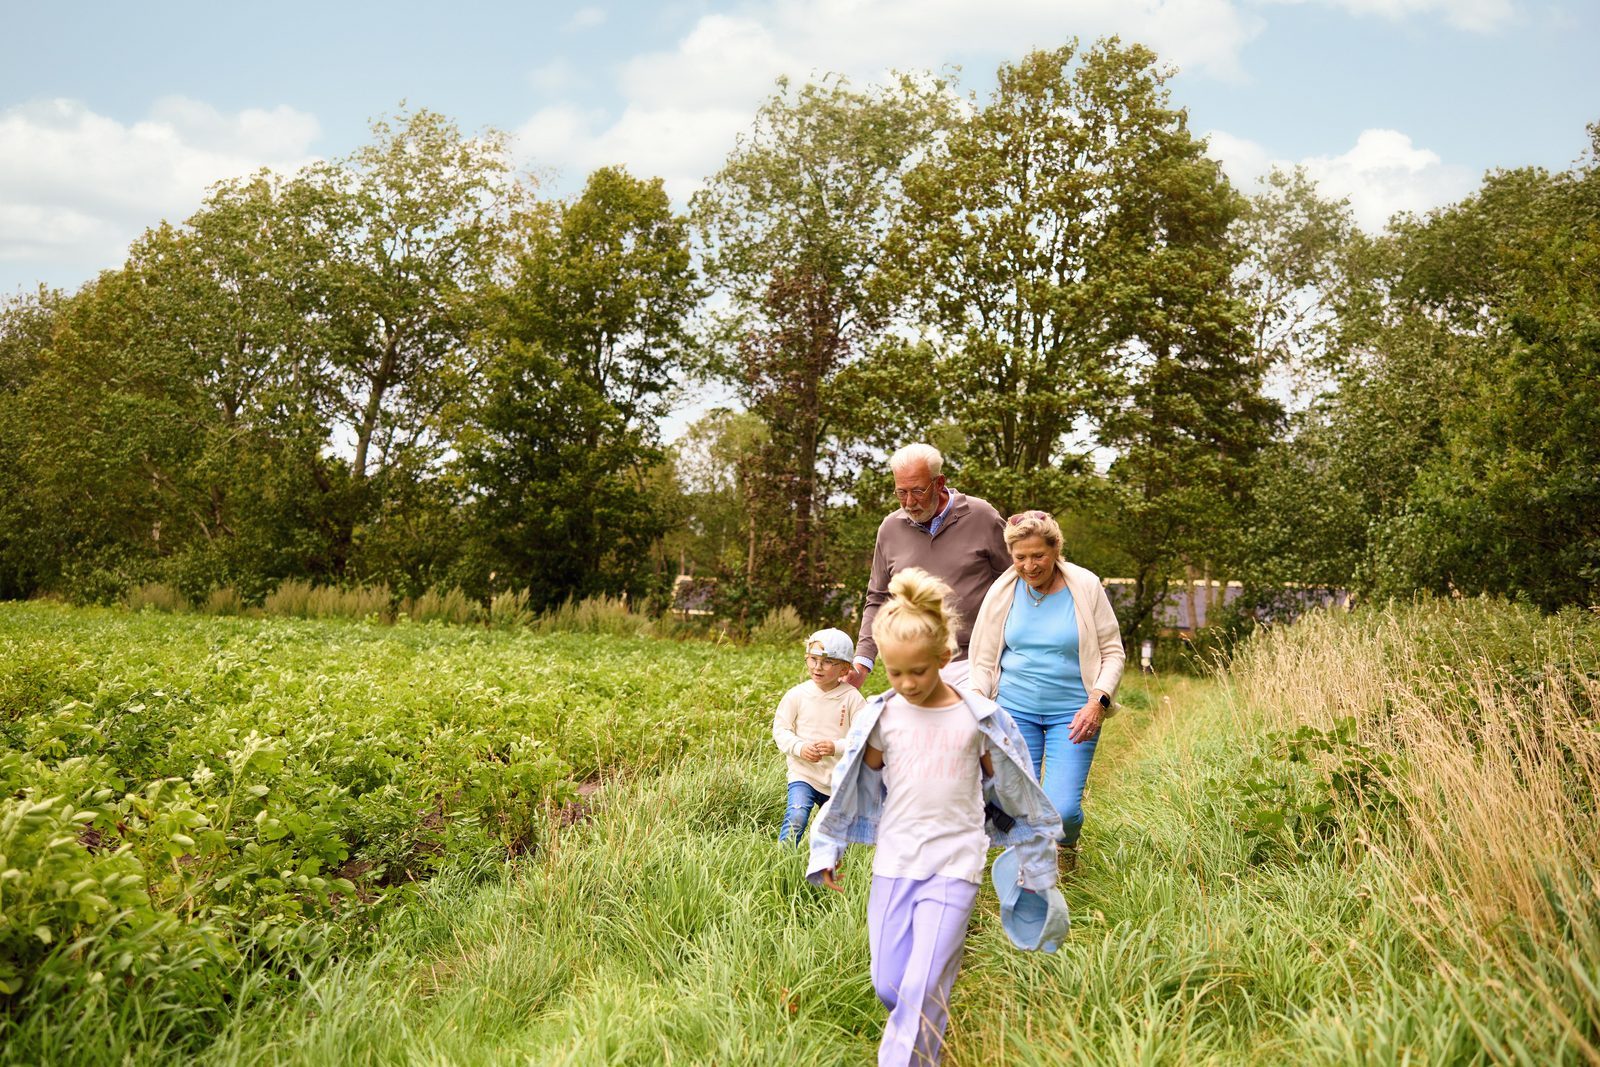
933 813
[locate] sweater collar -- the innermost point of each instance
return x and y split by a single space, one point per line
952 511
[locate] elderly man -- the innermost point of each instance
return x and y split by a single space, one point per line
959 539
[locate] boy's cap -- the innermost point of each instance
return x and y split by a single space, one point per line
1031 920
834 644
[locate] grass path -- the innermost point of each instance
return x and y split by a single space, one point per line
671 929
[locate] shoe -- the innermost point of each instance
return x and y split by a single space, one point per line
1066 860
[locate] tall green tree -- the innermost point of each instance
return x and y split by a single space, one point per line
1071 247
1500 493
795 226
557 454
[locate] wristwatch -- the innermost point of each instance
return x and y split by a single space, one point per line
1105 701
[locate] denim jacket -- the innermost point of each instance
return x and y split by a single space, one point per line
851 814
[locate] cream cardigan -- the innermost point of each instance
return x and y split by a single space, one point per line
1100 653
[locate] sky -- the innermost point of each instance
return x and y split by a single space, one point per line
116 116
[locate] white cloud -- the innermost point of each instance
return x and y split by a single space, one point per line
1479 16
1382 174
587 18
76 187
682 107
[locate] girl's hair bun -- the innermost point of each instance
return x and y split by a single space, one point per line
918 610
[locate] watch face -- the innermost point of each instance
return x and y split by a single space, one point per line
1105 701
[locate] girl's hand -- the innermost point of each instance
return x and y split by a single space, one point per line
1086 723
816 750
829 880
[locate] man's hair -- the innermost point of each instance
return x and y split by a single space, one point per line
918 453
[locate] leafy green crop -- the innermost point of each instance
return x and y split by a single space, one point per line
183 793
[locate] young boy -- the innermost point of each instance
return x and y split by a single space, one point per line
810 724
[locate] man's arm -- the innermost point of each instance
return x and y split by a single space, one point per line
877 596
995 546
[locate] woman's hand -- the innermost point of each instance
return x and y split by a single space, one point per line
1086 723
830 880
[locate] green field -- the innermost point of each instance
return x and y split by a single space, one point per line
266 841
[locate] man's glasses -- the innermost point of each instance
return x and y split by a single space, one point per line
1019 516
917 493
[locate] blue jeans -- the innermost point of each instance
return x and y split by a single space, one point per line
803 796
1061 766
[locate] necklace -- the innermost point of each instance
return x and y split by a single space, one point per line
1034 595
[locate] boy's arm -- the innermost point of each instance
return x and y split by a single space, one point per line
783 724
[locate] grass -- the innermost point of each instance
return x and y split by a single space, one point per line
1259 884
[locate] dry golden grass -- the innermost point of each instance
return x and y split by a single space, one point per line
1489 713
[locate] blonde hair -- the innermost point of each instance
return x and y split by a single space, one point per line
918 610
1033 524
910 455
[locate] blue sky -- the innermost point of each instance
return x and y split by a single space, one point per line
114 116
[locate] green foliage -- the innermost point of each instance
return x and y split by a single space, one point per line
796 226
557 452
186 795
1296 794
1458 451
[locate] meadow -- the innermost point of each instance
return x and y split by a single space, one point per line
1371 840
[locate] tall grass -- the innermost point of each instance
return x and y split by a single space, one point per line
780 626
441 605
510 609
302 600
1483 720
156 596
593 615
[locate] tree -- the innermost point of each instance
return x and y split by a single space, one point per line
1071 245
795 224
586 336
27 563
1503 496
1295 265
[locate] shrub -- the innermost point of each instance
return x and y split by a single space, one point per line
156 596
224 601
292 598
510 609
593 615
300 599
780 626
452 606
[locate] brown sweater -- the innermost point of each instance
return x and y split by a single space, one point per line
968 553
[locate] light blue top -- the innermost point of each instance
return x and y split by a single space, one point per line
1039 668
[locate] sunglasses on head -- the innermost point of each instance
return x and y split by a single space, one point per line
1019 516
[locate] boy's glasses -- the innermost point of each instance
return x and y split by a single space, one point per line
1019 516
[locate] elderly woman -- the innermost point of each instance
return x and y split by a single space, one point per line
1047 648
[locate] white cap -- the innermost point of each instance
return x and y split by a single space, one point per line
834 644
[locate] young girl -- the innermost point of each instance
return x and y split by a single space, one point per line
912 780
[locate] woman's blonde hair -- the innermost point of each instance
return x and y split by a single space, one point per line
1033 524
918 610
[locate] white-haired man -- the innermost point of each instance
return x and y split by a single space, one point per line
957 538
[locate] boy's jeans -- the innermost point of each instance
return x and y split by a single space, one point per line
803 796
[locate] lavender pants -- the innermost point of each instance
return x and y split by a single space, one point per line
916 928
